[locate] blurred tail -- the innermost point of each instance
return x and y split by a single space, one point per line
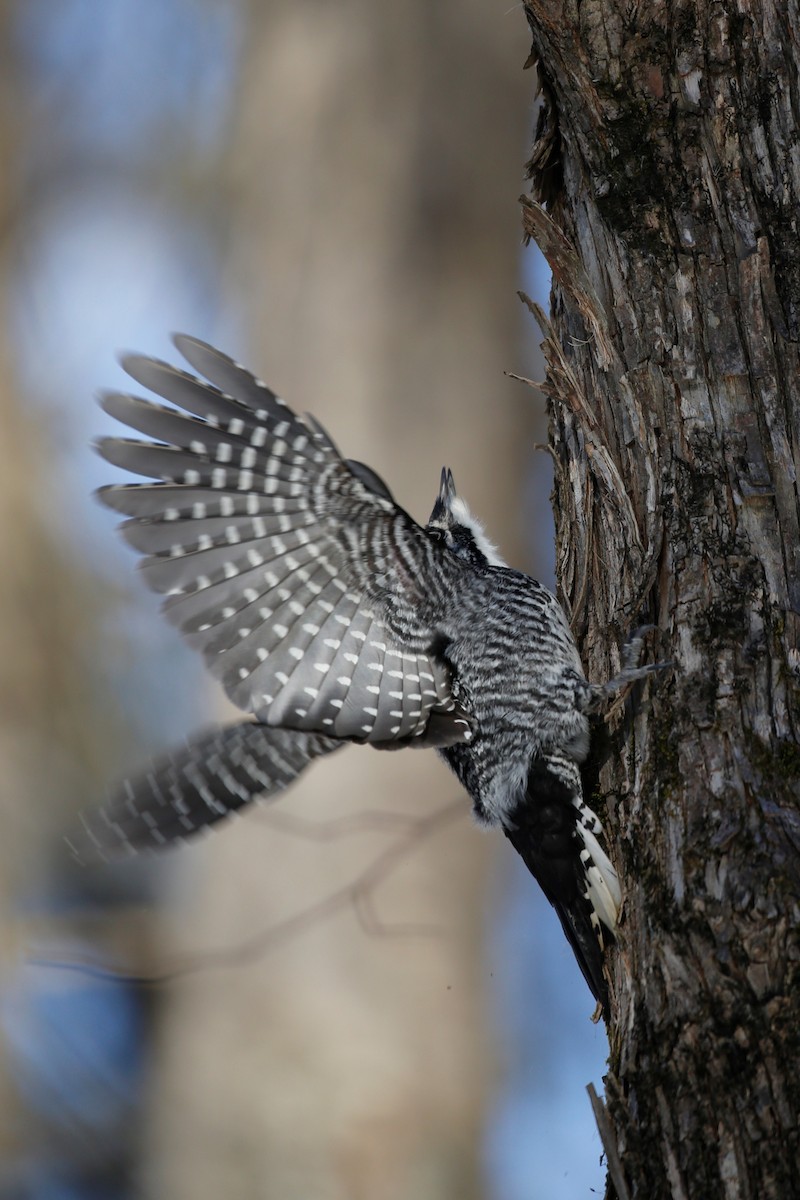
184 791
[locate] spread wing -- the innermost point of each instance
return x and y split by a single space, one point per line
194 786
306 588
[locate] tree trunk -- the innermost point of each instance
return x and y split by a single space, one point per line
667 156
375 269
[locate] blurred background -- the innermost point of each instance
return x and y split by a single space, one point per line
328 192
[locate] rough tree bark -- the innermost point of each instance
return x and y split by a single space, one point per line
666 184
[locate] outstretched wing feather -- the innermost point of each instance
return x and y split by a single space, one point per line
248 537
197 785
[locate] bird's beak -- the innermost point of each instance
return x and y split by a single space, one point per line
447 492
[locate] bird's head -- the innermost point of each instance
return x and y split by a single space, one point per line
453 524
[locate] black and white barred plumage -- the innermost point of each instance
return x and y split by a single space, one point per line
330 616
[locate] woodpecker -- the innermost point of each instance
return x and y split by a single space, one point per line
330 617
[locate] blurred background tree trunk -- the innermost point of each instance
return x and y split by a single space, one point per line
370 181
59 734
667 160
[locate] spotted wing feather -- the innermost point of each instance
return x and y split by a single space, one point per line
183 791
280 562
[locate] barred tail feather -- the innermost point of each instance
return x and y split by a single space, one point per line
582 937
602 882
184 791
556 834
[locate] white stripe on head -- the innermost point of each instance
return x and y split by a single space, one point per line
460 515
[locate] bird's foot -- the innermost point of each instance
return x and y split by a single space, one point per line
601 693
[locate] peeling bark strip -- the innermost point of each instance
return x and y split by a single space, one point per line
668 157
